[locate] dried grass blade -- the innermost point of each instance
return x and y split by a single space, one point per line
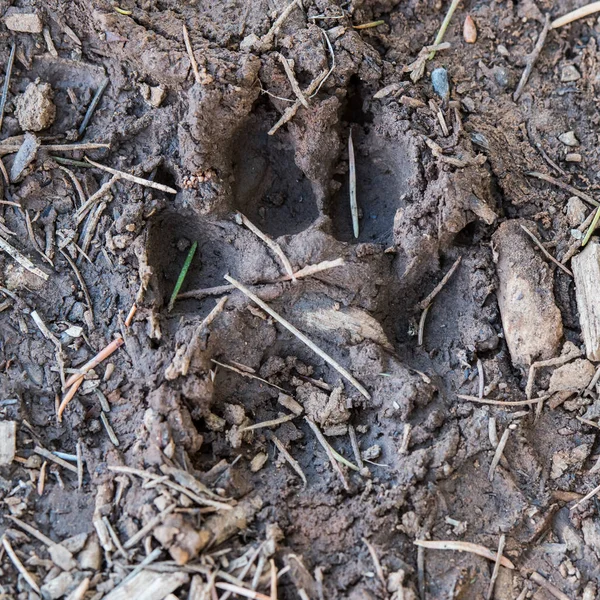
352 185
290 459
574 15
464 547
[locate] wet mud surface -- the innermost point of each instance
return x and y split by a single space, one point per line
224 496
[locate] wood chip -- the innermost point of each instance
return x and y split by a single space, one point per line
586 269
543 582
149 585
464 547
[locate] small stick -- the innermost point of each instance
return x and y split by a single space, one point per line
498 453
440 36
83 210
18 564
586 497
292 78
9 66
532 58
182 274
109 430
70 162
271 423
422 320
246 569
76 183
49 43
557 361
67 398
331 68
564 186
464 547
481 377
42 479
502 402
376 562
114 537
575 246
79 451
94 362
44 329
546 253
312 269
79 592
544 583
293 109
59 461
84 288
352 185
496 570
369 25
588 422
341 370
355 447
133 178
406 433
21 259
438 288
591 229
190 51
272 244
327 448
130 315
574 15
290 459
269 36
92 107
248 375
273 580
236 589
152 523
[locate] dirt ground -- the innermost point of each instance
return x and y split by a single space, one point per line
164 493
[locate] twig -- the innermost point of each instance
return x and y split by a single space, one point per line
327 448
498 454
352 185
94 362
67 398
586 497
272 244
369 25
92 107
109 430
496 570
267 39
574 15
293 109
79 464
341 370
502 402
83 210
271 423
133 178
542 582
42 478
59 461
21 259
438 288
248 375
557 361
182 274
9 66
531 58
246 569
376 562
564 186
481 377
190 51
114 537
464 547
290 459
422 320
152 523
440 36
292 79
82 283
236 589
576 245
273 580
545 252
76 183
331 68
18 564
355 447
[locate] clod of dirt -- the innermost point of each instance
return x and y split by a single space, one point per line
530 317
569 460
572 377
23 22
35 109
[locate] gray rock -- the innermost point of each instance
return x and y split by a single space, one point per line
441 85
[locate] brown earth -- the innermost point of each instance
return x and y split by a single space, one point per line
421 209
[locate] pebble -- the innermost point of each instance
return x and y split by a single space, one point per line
26 154
469 30
573 157
568 138
502 50
35 108
501 76
576 211
569 73
24 22
439 80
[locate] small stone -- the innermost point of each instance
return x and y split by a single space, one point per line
569 460
576 211
57 587
8 436
576 234
157 95
439 80
468 104
501 76
502 50
371 453
35 109
90 558
469 30
569 73
258 462
24 22
568 138
25 156
574 376
574 157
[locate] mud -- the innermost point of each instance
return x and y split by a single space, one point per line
426 453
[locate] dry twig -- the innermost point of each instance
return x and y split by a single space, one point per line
292 79
545 252
543 582
464 547
21 259
290 459
496 570
574 15
19 565
190 51
532 58
498 453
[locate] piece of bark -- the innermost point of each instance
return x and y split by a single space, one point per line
586 270
148 585
531 320
8 440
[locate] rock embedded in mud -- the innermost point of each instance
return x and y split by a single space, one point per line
35 108
23 22
586 270
530 317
